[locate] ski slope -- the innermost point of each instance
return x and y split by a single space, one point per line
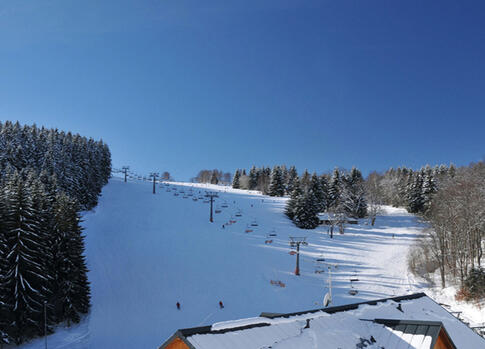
147 252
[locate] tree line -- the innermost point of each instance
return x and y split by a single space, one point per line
46 178
452 200
342 192
213 176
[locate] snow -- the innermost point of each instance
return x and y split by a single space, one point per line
343 329
146 252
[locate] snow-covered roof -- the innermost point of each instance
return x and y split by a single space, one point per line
409 321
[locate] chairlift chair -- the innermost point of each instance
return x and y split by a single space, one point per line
352 290
238 214
254 224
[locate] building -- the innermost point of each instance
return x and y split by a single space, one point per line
413 321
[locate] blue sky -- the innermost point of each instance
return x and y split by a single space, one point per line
184 85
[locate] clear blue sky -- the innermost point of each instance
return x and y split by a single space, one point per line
182 85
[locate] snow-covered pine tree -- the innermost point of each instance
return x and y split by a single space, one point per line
306 210
334 189
320 197
292 179
292 202
415 200
235 180
284 176
305 180
253 178
429 187
72 292
452 171
25 279
264 180
353 194
4 310
276 186
325 185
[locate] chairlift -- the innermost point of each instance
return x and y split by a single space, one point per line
238 213
268 241
248 229
292 252
224 205
272 233
194 199
175 194
352 290
206 201
254 224
217 210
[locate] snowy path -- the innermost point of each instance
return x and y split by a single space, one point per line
146 252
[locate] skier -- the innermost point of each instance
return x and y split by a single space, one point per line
223 226
221 305
178 305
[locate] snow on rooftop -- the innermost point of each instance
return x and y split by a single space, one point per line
344 329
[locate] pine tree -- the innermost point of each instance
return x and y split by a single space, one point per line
292 179
305 180
325 185
353 194
415 201
428 188
71 284
334 189
25 279
316 188
4 310
276 187
305 211
235 180
292 202
253 178
214 179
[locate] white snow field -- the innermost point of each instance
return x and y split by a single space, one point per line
147 252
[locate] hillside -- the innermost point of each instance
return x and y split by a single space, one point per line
147 252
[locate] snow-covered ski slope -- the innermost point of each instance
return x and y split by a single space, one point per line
147 252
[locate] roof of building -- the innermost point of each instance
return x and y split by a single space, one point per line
391 323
